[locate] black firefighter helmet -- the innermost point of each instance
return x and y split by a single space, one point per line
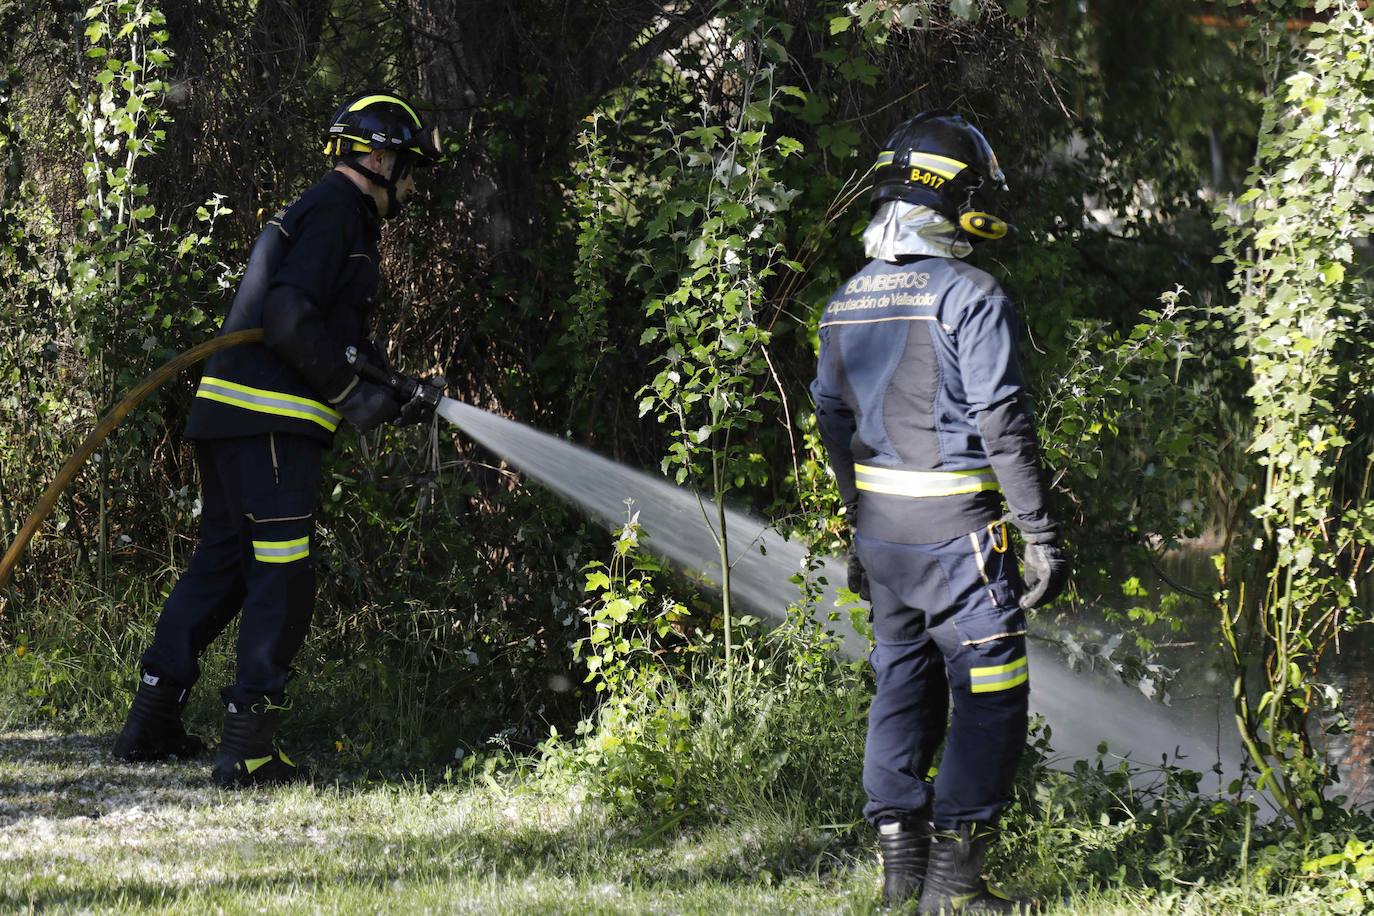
939 160
381 119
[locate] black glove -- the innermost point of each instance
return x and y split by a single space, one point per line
1047 571
420 407
858 576
369 406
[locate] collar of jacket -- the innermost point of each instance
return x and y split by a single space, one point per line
372 221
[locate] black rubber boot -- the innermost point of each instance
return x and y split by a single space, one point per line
247 754
904 844
153 729
954 879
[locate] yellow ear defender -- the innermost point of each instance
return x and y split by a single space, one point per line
983 225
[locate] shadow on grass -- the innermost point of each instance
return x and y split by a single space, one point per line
60 776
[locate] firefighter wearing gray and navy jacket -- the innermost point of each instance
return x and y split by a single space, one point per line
922 408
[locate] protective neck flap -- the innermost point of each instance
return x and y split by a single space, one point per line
903 230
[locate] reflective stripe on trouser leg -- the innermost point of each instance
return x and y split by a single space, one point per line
289 551
998 677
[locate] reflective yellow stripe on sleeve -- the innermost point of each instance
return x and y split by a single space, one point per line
998 677
261 400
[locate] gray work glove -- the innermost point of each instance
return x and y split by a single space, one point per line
369 406
1047 571
857 576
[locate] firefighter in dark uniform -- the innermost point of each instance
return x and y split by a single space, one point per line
922 409
262 418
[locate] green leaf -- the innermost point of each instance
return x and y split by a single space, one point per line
840 24
619 609
759 112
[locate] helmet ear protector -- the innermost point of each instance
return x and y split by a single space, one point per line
939 160
983 225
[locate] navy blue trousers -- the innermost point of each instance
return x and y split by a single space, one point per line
948 633
257 519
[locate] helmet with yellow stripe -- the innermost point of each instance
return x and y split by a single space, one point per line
939 160
381 119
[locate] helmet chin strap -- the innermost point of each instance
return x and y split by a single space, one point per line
393 203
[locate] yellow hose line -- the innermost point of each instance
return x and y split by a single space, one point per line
104 428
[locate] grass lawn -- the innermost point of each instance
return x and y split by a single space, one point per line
80 832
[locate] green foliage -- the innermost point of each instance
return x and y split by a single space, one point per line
1100 422
1347 876
628 628
672 250
667 738
714 241
103 291
1304 320
1105 823
671 746
594 199
106 268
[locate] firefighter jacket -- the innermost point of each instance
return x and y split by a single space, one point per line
310 283
921 404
